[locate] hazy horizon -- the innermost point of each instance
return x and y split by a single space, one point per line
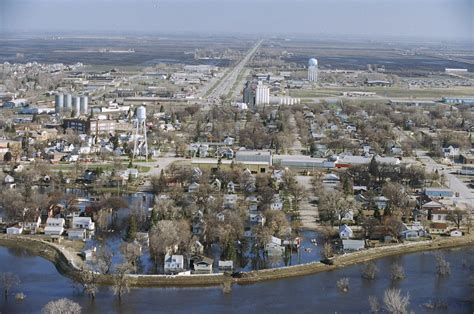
430 19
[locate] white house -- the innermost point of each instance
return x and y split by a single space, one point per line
274 247
451 151
220 217
193 187
345 232
32 224
455 233
203 265
83 223
226 265
258 219
54 226
77 234
174 263
277 203
9 181
16 229
230 200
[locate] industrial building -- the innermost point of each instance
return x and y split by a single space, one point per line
96 126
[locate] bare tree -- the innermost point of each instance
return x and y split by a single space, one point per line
104 259
456 216
8 281
88 281
370 271
343 284
374 304
62 306
443 268
131 252
397 272
121 282
328 251
395 302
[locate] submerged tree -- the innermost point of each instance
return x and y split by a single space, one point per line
62 306
395 302
8 281
370 271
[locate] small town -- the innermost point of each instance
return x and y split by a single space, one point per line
226 161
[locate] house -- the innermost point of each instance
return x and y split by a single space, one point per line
439 215
277 203
198 224
226 265
331 178
353 245
409 235
229 141
220 217
83 223
174 263
193 187
345 232
33 223
231 187
77 234
433 205
54 226
450 151
274 247
258 219
438 192
202 264
455 233
381 202
16 229
230 200
216 184
438 228
9 181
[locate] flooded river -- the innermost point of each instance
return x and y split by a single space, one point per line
312 294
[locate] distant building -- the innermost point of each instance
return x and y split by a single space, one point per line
94 125
459 100
262 96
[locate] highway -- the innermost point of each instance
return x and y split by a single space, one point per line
226 83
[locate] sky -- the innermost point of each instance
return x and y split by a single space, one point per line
448 19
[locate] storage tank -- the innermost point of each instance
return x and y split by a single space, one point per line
76 102
141 114
58 103
84 105
68 102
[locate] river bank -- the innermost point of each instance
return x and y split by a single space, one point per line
66 265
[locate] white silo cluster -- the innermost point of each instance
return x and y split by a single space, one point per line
262 94
140 146
313 70
58 103
284 100
69 103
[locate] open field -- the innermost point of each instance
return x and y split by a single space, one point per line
431 93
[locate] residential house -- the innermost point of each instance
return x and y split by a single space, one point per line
230 201
274 247
15 229
455 233
198 224
450 151
193 187
231 187
331 179
345 232
226 265
54 226
174 263
201 264
77 234
258 219
83 223
33 222
438 228
353 245
277 203
220 216
9 181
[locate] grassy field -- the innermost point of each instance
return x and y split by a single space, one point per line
435 93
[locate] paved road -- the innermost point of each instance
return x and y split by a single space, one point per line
226 83
454 183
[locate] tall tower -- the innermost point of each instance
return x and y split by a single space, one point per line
313 70
262 96
141 143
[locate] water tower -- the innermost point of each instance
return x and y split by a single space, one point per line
313 70
141 144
